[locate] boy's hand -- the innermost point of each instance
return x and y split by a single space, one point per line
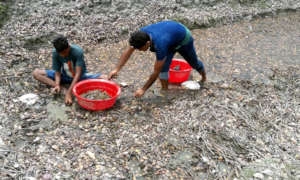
139 93
112 74
68 98
56 89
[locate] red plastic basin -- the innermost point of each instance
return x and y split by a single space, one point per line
111 88
181 75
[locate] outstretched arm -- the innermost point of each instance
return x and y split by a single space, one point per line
56 88
68 96
123 59
157 68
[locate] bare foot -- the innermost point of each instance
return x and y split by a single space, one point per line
175 86
103 76
203 74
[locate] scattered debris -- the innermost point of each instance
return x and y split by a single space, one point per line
176 68
123 84
95 95
193 85
29 99
248 109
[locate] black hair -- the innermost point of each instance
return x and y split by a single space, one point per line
60 43
138 39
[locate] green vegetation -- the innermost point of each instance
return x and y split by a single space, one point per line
3 13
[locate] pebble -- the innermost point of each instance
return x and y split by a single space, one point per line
258 175
193 85
2 142
29 99
46 177
268 172
123 84
30 178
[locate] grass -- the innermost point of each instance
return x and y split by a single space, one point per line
3 13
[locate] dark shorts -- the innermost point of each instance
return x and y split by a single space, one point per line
188 52
67 79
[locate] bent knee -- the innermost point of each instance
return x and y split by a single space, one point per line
38 72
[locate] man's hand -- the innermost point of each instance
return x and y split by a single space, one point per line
157 68
68 98
113 74
123 59
56 89
139 93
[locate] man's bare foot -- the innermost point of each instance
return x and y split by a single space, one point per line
175 86
203 74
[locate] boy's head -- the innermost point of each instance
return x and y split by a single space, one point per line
140 40
61 45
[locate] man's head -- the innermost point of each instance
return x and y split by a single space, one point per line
61 45
140 40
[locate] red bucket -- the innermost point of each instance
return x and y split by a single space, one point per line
180 75
111 88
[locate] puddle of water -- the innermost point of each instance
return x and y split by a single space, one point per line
57 112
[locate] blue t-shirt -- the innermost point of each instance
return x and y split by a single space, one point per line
60 64
165 36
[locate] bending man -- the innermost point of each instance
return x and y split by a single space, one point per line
165 39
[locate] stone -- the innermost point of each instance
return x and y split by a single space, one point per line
267 172
57 112
123 84
258 176
46 177
29 99
193 85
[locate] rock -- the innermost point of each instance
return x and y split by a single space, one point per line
91 155
258 176
181 158
267 172
46 177
225 86
29 99
193 85
2 142
159 93
30 178
176 68
205 159
37 139
123 84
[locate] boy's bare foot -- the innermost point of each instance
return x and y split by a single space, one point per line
103 76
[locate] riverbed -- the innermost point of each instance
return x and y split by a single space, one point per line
242 124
